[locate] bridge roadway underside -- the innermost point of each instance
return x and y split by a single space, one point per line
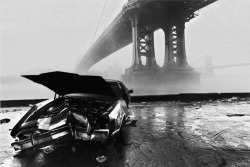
159 13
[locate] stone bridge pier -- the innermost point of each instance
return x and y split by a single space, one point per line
144 71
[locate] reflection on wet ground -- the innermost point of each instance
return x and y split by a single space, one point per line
168 134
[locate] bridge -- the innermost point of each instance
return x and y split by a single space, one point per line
210 67
136 24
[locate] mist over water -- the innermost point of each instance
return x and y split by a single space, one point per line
219 82
24 90
228 80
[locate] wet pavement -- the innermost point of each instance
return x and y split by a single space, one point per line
174 134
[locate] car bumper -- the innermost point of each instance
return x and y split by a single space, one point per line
60 135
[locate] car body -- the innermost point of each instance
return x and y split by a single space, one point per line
85 108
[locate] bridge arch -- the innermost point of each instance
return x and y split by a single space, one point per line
143 60
159 45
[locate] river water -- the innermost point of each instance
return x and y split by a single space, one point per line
174 134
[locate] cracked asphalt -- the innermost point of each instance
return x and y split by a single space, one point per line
168 134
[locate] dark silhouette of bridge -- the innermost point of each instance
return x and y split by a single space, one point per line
136 24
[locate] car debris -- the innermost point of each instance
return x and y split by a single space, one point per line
101 159
131 122
5 120
236 115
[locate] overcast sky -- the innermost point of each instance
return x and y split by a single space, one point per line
46 35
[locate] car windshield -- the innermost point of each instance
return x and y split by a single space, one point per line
115 87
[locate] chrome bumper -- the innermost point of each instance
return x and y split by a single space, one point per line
59 135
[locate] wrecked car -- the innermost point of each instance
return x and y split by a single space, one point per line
85 108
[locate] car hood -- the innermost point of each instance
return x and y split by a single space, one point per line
63 83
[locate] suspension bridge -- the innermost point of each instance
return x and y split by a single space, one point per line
135 23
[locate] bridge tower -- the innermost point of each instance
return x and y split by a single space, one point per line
175 68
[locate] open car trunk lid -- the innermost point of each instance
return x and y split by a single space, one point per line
63 83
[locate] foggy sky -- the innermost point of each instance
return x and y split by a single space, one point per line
46 35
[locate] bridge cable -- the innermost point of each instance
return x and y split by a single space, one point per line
98 24
111 13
